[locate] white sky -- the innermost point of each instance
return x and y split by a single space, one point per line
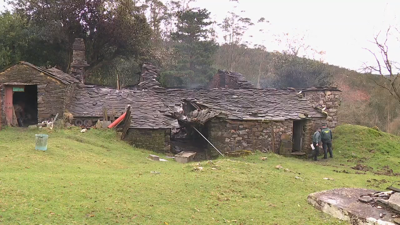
341 28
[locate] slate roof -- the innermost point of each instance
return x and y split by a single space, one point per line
320 89
146 108
54 73
246 104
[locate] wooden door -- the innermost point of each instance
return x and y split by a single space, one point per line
8 104
298 126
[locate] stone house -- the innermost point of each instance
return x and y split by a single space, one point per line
231 113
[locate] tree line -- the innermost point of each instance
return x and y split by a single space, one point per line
120 35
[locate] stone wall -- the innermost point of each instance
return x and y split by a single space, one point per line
51 92
69 95
227 79
326 99
232 135
157 140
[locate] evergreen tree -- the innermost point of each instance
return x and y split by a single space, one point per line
194 50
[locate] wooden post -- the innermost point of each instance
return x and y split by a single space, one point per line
127 122
105 117
273 140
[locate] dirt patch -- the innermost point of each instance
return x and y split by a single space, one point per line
386 171
376 183
341 171
362 167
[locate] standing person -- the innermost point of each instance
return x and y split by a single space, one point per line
326 137
316 140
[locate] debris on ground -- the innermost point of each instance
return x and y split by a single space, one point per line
279 167
327 178
83 130
184 157
198 168
263 158
154 157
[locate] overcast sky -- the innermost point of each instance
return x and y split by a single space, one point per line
341 28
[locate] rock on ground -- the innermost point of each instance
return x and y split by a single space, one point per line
344 204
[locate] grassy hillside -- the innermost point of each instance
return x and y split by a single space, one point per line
92 178
370 148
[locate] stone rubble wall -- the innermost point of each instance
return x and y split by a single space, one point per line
326 99
232 135
157 140
226 79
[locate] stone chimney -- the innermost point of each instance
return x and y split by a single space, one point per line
231 80
78 60
148 77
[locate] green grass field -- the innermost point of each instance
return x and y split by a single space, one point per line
92 178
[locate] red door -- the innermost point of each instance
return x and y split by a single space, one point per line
8 104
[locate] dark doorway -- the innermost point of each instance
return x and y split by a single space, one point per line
188 139
298 135
25 105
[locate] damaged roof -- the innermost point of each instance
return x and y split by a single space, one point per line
146 108
246 104
150 108
321 89
55 73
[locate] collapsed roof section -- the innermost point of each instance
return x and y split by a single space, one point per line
245 104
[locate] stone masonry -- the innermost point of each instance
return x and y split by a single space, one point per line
328 99
232 135
78 60
157 140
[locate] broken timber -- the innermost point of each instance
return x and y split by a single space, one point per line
127 122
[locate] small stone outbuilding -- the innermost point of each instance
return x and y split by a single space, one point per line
42 92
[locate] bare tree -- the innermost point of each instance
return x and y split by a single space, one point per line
384 67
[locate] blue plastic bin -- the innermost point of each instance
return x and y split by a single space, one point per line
41 141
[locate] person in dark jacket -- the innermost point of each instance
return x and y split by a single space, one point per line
326 138
316 143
